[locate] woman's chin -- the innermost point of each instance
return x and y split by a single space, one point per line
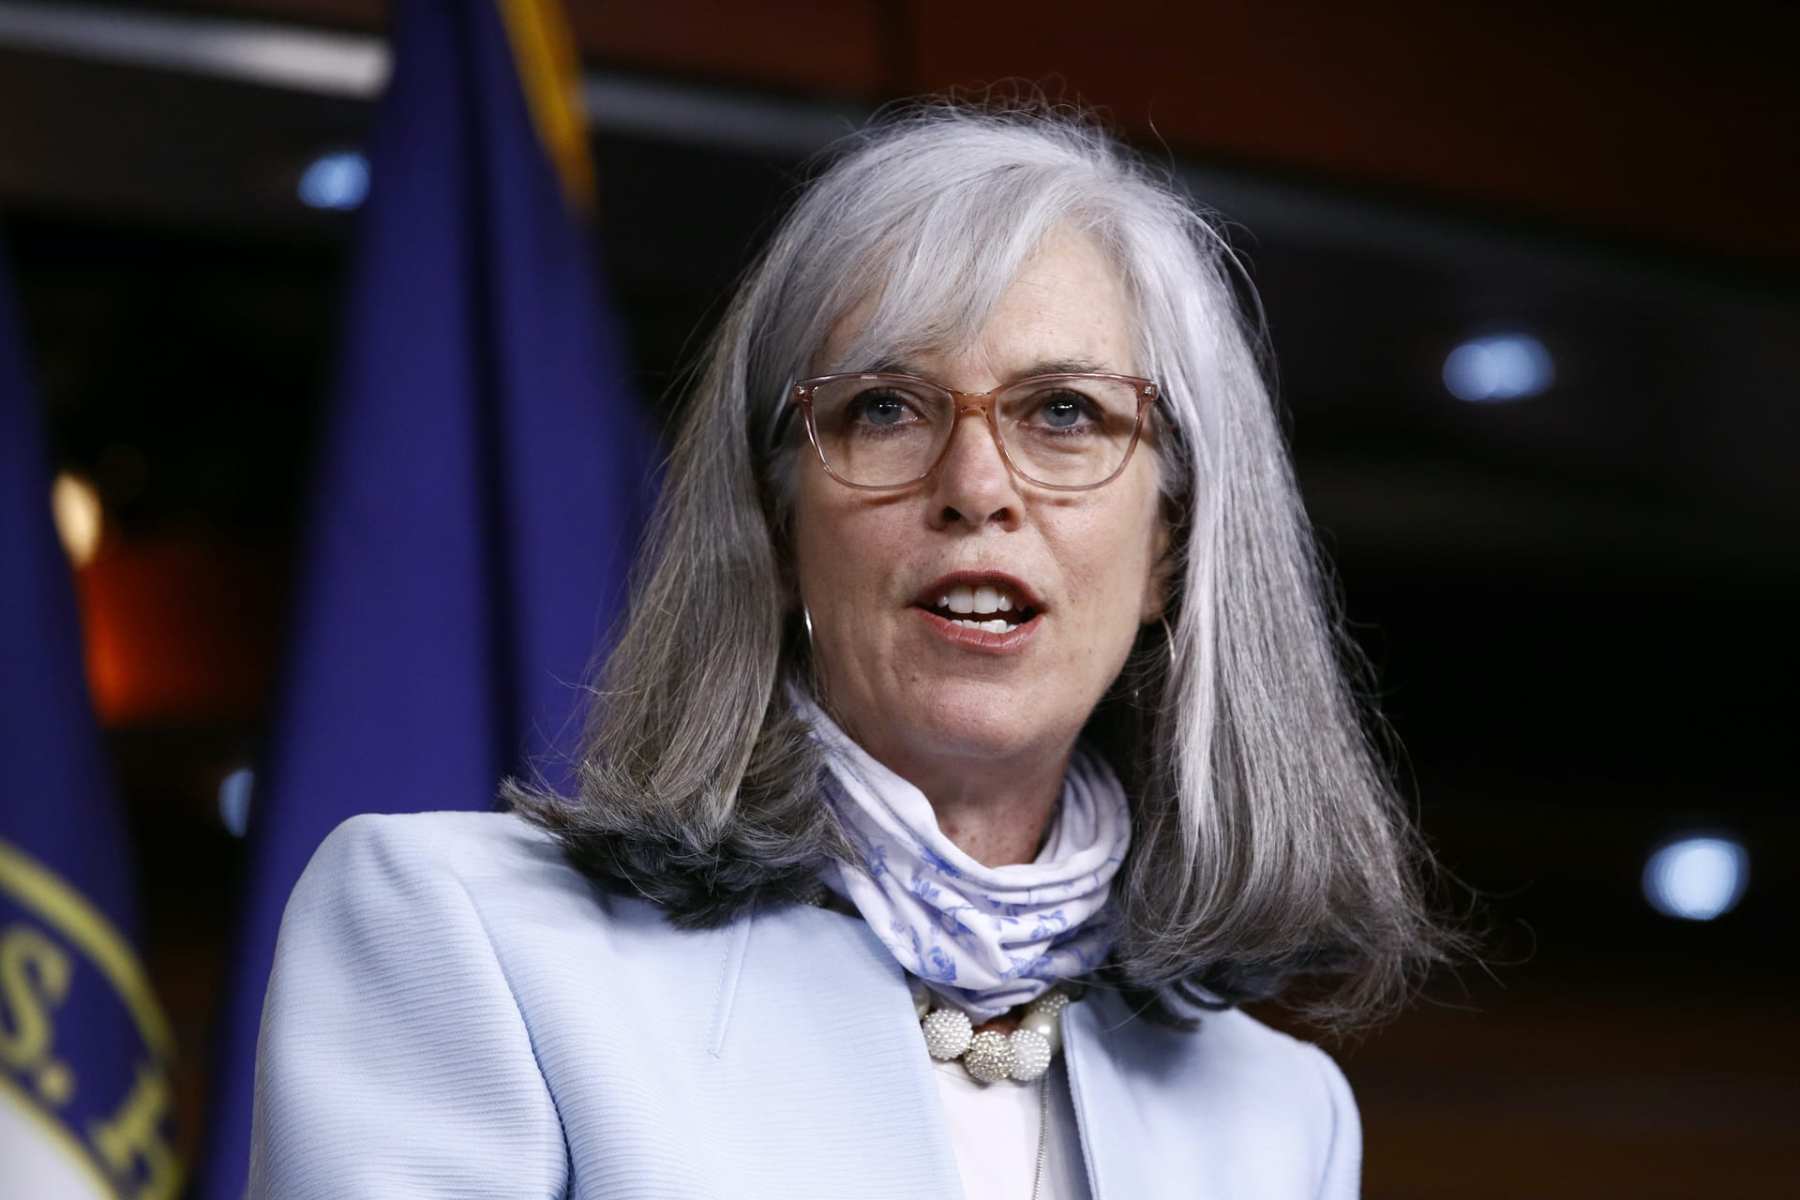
987 720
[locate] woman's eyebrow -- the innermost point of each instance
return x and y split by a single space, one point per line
1048 366
1063 366
893 366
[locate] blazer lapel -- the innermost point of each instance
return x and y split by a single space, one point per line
815 1017
1142 1137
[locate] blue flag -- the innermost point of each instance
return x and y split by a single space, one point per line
85 1104
481 487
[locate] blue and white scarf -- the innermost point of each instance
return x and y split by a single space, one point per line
984 938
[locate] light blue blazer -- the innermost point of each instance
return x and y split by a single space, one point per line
456 1012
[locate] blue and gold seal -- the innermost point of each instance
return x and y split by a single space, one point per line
85 1049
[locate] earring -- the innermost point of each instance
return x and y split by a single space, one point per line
1169 645
806 618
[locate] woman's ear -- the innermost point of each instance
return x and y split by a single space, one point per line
1162 573
1167 551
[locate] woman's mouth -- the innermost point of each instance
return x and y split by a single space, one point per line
991 608
988 613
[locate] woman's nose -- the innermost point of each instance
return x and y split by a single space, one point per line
972 484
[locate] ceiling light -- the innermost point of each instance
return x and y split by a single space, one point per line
1697 878
1500 367
338 181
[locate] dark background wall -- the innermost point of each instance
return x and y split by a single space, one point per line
1580 604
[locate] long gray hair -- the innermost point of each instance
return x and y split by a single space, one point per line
1268 841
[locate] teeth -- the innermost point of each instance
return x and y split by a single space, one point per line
984 599
994 626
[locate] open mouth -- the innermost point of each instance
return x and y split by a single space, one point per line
988 607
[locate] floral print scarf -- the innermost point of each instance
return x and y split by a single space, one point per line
984 938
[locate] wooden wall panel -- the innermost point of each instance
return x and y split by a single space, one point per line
1645 124
1634 120
794 45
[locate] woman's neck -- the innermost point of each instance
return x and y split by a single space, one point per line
996 813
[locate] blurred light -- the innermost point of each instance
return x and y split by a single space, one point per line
75 506
340 64
1505 366
338 181
1697 878
234 800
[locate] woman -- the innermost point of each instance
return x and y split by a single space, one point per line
976 743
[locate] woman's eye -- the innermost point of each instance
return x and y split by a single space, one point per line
1064 410
881 408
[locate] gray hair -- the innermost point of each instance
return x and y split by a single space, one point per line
1268 840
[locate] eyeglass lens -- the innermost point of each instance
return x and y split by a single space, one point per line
1062 431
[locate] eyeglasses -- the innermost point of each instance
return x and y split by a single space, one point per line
1063 432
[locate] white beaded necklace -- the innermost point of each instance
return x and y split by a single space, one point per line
991 1056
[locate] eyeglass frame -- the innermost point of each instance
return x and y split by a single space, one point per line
964 403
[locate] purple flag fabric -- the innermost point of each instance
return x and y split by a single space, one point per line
482 487
85 1103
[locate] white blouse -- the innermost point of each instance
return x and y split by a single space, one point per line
994 1131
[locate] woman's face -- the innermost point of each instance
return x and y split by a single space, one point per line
917 690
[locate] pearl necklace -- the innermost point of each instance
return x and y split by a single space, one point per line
990 1055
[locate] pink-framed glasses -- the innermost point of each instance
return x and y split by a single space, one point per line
1066 432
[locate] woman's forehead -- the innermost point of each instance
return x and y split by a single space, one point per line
1065 309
